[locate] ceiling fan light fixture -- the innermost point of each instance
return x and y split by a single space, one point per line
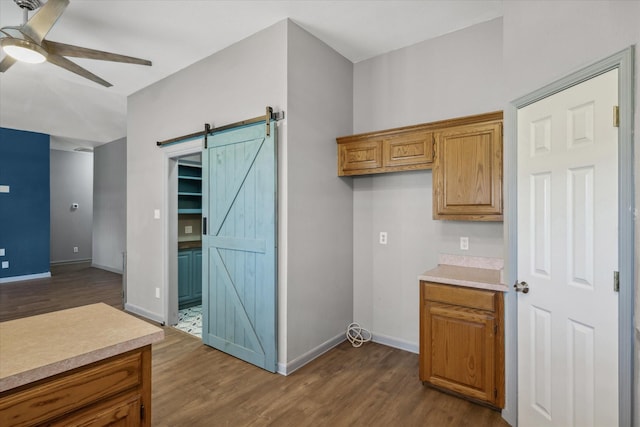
23 50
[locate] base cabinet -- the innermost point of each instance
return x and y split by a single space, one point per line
189 277
461 341
113 392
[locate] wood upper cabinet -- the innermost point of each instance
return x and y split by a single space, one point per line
467 172
385 151
465 154
461 341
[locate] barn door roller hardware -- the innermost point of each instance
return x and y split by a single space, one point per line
267 118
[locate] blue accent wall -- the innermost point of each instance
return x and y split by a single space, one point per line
24 211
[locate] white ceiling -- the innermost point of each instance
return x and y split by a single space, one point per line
174 34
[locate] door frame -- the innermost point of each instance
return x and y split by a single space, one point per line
170 226
624 62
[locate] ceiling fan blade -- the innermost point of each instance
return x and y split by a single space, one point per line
6 63
83 52
63 62
40 24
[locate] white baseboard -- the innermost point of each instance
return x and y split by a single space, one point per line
25 277
104 267
70 261
144 313
396 343
299 362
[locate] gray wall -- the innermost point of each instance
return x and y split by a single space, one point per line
475 70
319 204
234 84
451 76
544 41
109 205
71 182
313 85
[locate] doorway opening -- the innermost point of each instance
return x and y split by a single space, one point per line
623 62
183 224
190 244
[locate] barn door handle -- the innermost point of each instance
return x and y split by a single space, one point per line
521 287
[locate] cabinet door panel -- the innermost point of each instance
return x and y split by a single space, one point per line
408 149
184 275
462 345
361 156
197 274
467 173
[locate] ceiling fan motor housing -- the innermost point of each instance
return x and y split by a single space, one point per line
28 4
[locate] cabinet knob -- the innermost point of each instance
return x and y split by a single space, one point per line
521 287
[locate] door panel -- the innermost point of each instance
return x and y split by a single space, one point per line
567 253
239 248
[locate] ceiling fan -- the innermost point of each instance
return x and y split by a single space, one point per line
27 42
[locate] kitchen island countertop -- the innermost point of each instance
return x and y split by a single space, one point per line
37 347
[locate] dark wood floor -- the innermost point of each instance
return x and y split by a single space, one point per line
194 385
70 285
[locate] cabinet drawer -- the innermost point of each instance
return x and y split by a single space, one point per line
122 411
408 149
67 392
458 295
360 156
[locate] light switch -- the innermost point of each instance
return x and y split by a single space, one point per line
4 188
156 214
2 252
5 264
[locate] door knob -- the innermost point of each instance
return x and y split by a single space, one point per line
521 287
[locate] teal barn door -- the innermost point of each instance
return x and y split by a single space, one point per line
239 244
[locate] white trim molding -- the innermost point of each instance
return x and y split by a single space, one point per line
297 363
104 267
396 343
131 308
25 277
624 62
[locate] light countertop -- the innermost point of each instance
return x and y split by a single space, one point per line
189 244
473 272
37 347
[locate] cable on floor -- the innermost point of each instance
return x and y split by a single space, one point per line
357 335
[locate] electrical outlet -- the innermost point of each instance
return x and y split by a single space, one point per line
5 264
75 249
188 229
158 293
464 243
2 252
383 237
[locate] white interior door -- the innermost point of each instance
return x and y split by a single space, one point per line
567 254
